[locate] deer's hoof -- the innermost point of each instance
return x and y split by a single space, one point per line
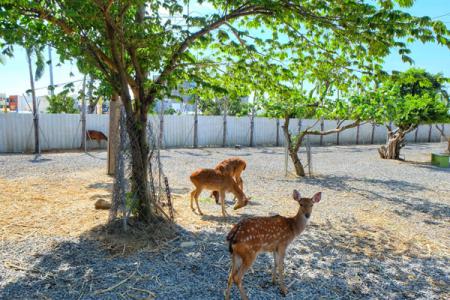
284 291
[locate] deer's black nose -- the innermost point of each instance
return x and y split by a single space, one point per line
307 215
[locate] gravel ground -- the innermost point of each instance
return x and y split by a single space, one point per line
380 231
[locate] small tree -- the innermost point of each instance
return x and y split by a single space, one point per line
408 99
61 103
301 104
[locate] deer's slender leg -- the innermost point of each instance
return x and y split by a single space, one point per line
280 266
192 198
199 191
222 202
274 268
247 261
233 272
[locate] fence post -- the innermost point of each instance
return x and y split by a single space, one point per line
337 135
299 125
161 125
224 138
252 127
321 129
373 133
429 133
195 122
83 116
357 135
416 133
277 141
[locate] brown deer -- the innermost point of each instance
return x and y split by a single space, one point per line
98 136
273 234
214 180
233 167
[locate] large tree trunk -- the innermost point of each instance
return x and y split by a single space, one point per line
37 147
299 170
139 164
392 148
396 141
293 149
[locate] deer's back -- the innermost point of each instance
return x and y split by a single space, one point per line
231 166
211 178
262 234
96 135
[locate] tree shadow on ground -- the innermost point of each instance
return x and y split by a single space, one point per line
231 219
199 153
428 166
94 156
391 187
101 185
349 261
39 160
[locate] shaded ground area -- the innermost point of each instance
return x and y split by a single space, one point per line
381 230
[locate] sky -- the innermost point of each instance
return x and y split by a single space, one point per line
14 78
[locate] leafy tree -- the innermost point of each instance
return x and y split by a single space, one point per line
61 103
170 111
127 41
408 99
317 103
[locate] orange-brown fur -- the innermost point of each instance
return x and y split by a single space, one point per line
214 180
95 135
234 167
273 234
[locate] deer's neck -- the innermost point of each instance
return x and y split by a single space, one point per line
237 192
299 222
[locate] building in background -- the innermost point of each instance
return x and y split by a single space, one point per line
22 104
14 103
3 104
178 102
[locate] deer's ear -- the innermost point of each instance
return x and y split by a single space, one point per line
296 195
317 196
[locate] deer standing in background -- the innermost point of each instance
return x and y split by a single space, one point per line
213 180
233 167
96 135
252 236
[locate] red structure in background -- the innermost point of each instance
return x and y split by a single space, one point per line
13 103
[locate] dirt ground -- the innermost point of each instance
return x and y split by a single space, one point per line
374 208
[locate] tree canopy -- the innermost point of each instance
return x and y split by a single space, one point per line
408 99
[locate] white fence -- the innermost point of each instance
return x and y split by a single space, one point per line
63 131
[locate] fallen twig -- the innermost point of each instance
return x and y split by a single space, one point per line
98 292
11 265
150 293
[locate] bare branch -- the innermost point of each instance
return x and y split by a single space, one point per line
336 130
441 130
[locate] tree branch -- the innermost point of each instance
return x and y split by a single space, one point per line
240 12
441 130
336 130
98 54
